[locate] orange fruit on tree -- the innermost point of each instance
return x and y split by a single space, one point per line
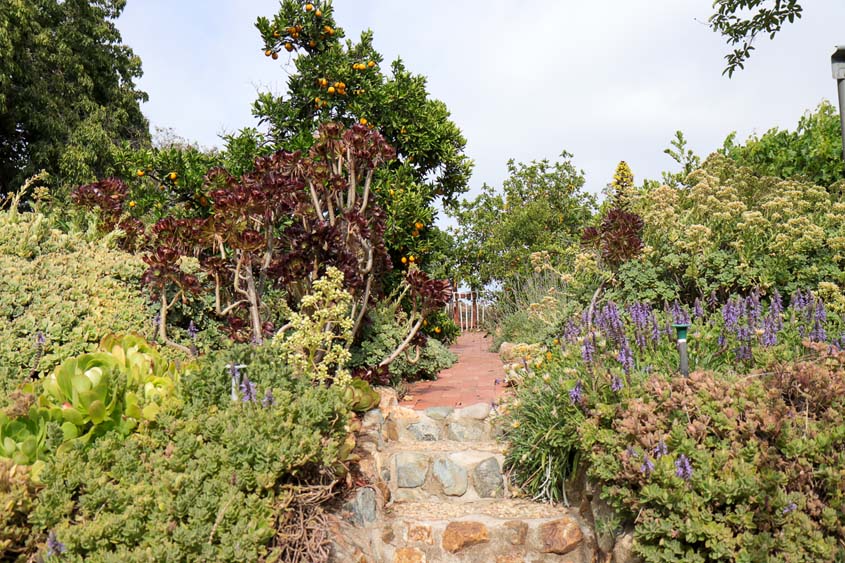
331 90
404 260
363 121
276 34
172 175
312 43
318 13
268 52
140 173
275 56
419 225
309 7
324 82
437 329
371 64
415 233
288 47
411 258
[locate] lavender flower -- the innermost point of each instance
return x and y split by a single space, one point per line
776 308
731 313
576 394
660 450
683 467
647 467
40 339
789 507
713 301
192 330
753 309
54 546
631 452
698 309
769 337
818 334
588 350
616 384
679 314
625 356
268 400
613 322
247 390
571 331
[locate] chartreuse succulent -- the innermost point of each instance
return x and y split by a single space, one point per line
115 388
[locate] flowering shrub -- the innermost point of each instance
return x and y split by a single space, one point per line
710 468
731 231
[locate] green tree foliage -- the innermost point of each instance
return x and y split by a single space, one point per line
345 81
812 152
741 21
67 89
541 207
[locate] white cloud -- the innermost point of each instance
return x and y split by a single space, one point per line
606 80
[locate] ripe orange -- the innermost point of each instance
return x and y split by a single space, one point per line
371 64
415 233
275 56
309 7
324 82
172 175
317 100
404 260
276 34
140 173
331 90
132 204
328 29
363 121
312 43
411 258
419 225
268 52
318 13
288 47
437 330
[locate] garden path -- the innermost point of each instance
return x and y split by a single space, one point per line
477 377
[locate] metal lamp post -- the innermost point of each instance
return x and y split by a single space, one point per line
838 63
681 329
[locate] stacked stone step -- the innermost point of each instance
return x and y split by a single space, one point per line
443 454
439 494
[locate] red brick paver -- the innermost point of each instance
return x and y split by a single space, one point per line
471 380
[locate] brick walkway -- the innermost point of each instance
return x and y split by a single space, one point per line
471 380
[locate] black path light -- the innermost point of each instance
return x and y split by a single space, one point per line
681 329
838 63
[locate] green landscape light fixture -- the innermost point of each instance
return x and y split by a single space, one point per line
681 329
838 63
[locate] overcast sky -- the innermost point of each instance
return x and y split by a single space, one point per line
607 80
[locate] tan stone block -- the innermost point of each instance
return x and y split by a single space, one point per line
517 531
560 536
409 555
420 533
460 535
387 535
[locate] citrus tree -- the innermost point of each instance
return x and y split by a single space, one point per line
334 78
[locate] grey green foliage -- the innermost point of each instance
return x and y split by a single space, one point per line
383 335
64 287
